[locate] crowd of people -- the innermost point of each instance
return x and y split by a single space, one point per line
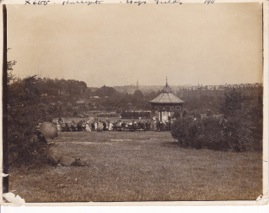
117 125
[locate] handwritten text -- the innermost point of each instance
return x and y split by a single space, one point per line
37 2
135 2
167 2
82 2
209 1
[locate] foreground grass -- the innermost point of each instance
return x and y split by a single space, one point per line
139 166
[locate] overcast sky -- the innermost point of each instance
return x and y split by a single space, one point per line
120 44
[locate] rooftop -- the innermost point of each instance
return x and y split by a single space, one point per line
167 97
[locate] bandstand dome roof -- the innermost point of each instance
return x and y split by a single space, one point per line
167 97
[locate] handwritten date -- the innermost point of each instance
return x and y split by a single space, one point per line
209 2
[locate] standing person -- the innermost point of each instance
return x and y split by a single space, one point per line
58 126
158 125
110 126
154 124
88 128
61 120
169 123
95 126
73 126
100 126
107 123
104 125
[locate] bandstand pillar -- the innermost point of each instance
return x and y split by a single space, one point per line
160 116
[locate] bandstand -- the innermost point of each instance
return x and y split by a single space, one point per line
166 104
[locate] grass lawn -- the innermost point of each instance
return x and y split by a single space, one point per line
139 166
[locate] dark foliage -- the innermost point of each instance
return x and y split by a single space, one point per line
25 112
238 128
199 133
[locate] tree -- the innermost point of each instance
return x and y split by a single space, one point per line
24 114
105 91
138 99
10 76
232 103
240 121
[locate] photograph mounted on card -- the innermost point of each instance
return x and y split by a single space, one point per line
126 103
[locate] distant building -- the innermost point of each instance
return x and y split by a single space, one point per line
129 89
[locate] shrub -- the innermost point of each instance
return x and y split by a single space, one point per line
180 130
239 129
199 133
213 134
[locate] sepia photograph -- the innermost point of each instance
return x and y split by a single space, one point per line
133 103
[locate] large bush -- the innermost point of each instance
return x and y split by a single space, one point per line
199 133
239 128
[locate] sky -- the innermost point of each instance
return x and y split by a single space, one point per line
121 44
